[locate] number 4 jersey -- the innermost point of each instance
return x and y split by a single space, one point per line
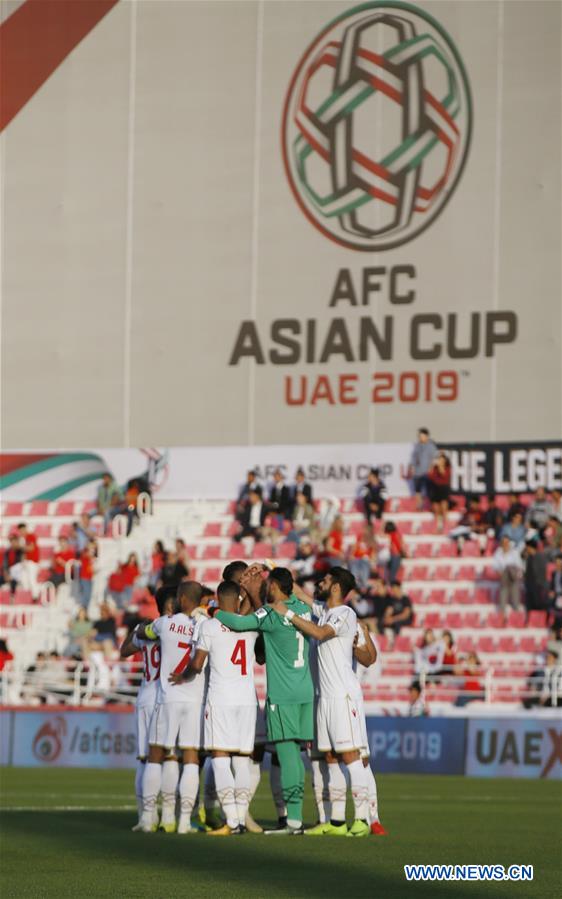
286 651
231 664
178 636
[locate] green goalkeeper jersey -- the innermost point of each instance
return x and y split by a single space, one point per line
286 650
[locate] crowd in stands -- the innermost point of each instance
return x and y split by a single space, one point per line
524 543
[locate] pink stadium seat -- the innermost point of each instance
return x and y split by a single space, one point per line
402 644
495 620
356 528
485 644
466 573
422 550
232 529
537 619
66 507
42 530
447 550
465 644
211 575
13 510
262 551
433 619
45 553
236 551
287 550
471 550
39 507
506 644
231 508
482 596
472 620
438 596
212 551
212 529
417 596
64 530
462 596
418 573
441 573
192 550
405 527
516 619
490 574
427 527
89 507
382 642
453 620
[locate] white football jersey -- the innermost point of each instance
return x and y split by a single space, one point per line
373 673
336 677
231 663
178 636
150 673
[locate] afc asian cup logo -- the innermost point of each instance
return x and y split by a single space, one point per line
47 743
377 125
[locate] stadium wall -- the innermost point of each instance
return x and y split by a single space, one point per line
184 473
529 747
210 237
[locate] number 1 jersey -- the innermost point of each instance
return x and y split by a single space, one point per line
231 664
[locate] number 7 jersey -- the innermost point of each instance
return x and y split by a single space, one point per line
231 664
178 636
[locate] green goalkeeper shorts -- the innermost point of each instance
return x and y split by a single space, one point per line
290 721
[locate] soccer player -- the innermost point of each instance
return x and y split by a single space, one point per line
177 716
289 705
230 710
144 706
339 732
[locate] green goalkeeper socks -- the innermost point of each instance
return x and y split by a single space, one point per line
292 777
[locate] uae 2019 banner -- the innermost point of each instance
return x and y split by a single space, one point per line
269 222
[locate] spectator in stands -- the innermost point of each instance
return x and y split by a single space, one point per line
35 677
515 506
555 592
428 657
536 583
472 688
63 554
173 572
363 605
392 551
5 654
158 560
555 642
109 496
302 523
545 684
439 488
417 707
399 612
86 574
252 520
305 561
539 511
280 501
104 631
362 557
374 496
84 533
450 653
378 593
182 553
471 526
334 545
493 518
556 498
327 513
12 557
130 572
553 535
301 485
251 485
515 530
28 571
423 454
79 631
509 565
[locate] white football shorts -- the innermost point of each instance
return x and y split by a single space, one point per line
338 724
230 728
142 720
176 723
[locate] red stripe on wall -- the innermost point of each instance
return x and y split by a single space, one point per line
12 461
34 41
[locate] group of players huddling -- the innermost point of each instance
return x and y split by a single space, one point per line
197 699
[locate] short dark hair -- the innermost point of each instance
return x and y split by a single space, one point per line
284 580
162 595
227 590
190 589
233 568
423 431
21 525
206 591
343 578
389 527
396 583
415 685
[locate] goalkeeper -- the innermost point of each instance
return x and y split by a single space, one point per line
289 705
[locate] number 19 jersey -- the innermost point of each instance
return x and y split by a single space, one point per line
178 636
231 664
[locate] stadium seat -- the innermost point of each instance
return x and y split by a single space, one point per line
447 550
506 644
287 550
433 619
495 620
537 618
472 620
39 507
262 551
212 529
42 530
65 507
212 551
439 597
465 644
453 620
402 643
516 619
466 573
485 644
13 510
441 573
418 573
